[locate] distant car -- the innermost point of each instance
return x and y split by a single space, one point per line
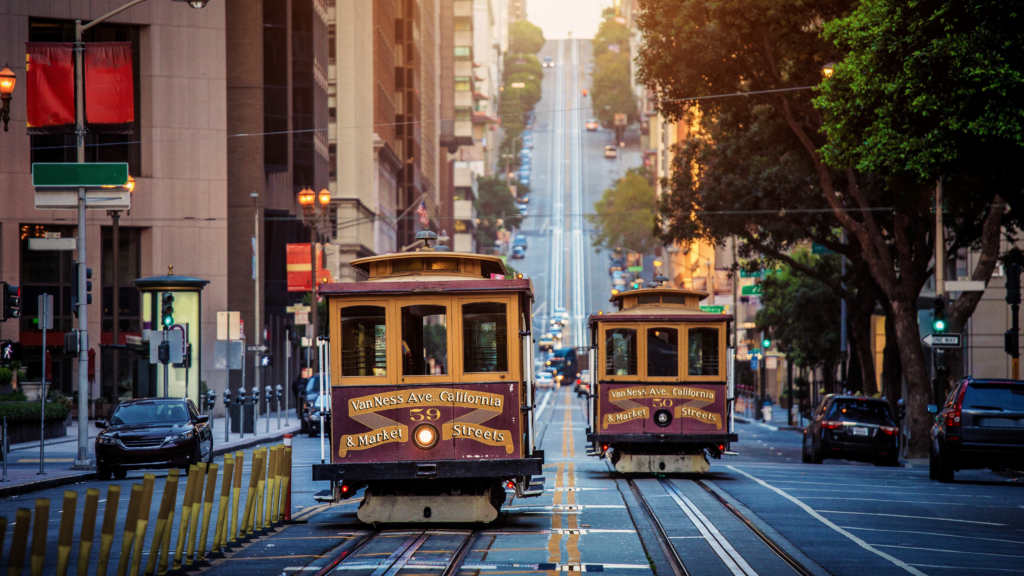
518 253
852 428
520 240
318 417
981 425
549 62
523 210
308 396
591 125
524 199
611 152
556 330
547 342
583 382
545 380
525 153
524 180
147 433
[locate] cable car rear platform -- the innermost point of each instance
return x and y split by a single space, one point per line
420 470
661 438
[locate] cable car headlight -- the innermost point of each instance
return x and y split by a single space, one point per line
425 436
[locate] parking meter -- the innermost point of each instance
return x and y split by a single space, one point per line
240 400
268 394
227 415
211 400
277 397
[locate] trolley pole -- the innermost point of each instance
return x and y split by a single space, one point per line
45 315
1013 334
5 478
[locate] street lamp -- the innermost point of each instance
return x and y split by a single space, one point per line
7 81
315 208
83 460
828 69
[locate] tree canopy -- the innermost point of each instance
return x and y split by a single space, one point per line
624 216
495 208
612 88
524 37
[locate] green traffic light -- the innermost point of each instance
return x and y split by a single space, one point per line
766 343
168 321
939 325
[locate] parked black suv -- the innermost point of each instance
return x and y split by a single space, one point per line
852 428
981 425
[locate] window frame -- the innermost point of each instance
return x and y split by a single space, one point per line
511 315
390 326
641 352
721 376
453 365
679 328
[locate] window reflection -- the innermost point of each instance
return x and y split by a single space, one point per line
485 337
424 340
703 351
620 352
363 341
662 352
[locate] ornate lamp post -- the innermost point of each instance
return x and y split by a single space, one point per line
315 208
7 81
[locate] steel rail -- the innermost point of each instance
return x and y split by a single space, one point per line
675 561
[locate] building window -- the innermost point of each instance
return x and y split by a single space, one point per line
463 83
129 268
332 155
98 147
463 52
46 273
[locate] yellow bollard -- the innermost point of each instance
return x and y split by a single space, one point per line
129 530
225 502
197 502
109 525
162 514
92 505
279 482
165 544
268 519
67 531
250 496
234 533
186 513
142 522
261 488
42 521
285 491
3 533
19 542
211 490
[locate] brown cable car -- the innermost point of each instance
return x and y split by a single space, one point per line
430 395
663 400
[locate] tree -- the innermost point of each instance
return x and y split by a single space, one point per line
802 314
524 37
611 35
495 208
625 214
773 51
612 89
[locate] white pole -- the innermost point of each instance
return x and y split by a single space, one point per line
320 359
83 318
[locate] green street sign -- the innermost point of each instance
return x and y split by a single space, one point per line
751 273
755 290
64 175
635 269
713 309
819 249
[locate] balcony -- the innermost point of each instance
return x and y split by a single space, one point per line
463 8
463 177
464 38
464 210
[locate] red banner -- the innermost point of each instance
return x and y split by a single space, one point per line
50 87
109 87
297 263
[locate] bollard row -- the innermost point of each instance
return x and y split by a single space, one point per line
265 507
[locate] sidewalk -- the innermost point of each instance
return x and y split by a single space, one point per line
60 453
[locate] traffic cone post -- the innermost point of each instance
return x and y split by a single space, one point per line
109 525
142 523
211 490
236 489
19 543
66 535
92 504
288 478
128 536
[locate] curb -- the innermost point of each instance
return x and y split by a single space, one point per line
29 487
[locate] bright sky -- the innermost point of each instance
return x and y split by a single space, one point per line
559 17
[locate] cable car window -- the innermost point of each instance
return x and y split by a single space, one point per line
662 352
363 341
443 264
703 352
407 265
648 299
484 337
620 352
673 299
424 340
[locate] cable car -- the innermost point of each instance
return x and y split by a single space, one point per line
662 396
431 389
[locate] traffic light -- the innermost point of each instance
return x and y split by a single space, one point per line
939 314
75 285
1013 284
12 301
166 309
766 342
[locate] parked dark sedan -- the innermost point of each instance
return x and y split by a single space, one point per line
981 425
852 428
308 396
152 433
319 417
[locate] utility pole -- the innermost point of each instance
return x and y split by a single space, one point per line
115 229
735 299
256 310
938 354
83 460
842 321
1013 334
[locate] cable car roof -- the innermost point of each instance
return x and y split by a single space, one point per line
659 304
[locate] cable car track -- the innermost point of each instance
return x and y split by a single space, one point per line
709 532
392 552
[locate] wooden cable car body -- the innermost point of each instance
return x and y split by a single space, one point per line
662 399
430 395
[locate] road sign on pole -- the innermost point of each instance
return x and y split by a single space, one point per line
942 340
755 290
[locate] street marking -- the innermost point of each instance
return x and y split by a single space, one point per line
969 568
916 517
36 460
949 551
932 503
543 404
732 559
934 534
832 525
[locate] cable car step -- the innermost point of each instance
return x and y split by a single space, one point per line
324 496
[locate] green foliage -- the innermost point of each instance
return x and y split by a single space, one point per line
525 37
495 208
321 310
802 314
625 214
925 86
612 90
6 376
522 64
28 412
16 396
